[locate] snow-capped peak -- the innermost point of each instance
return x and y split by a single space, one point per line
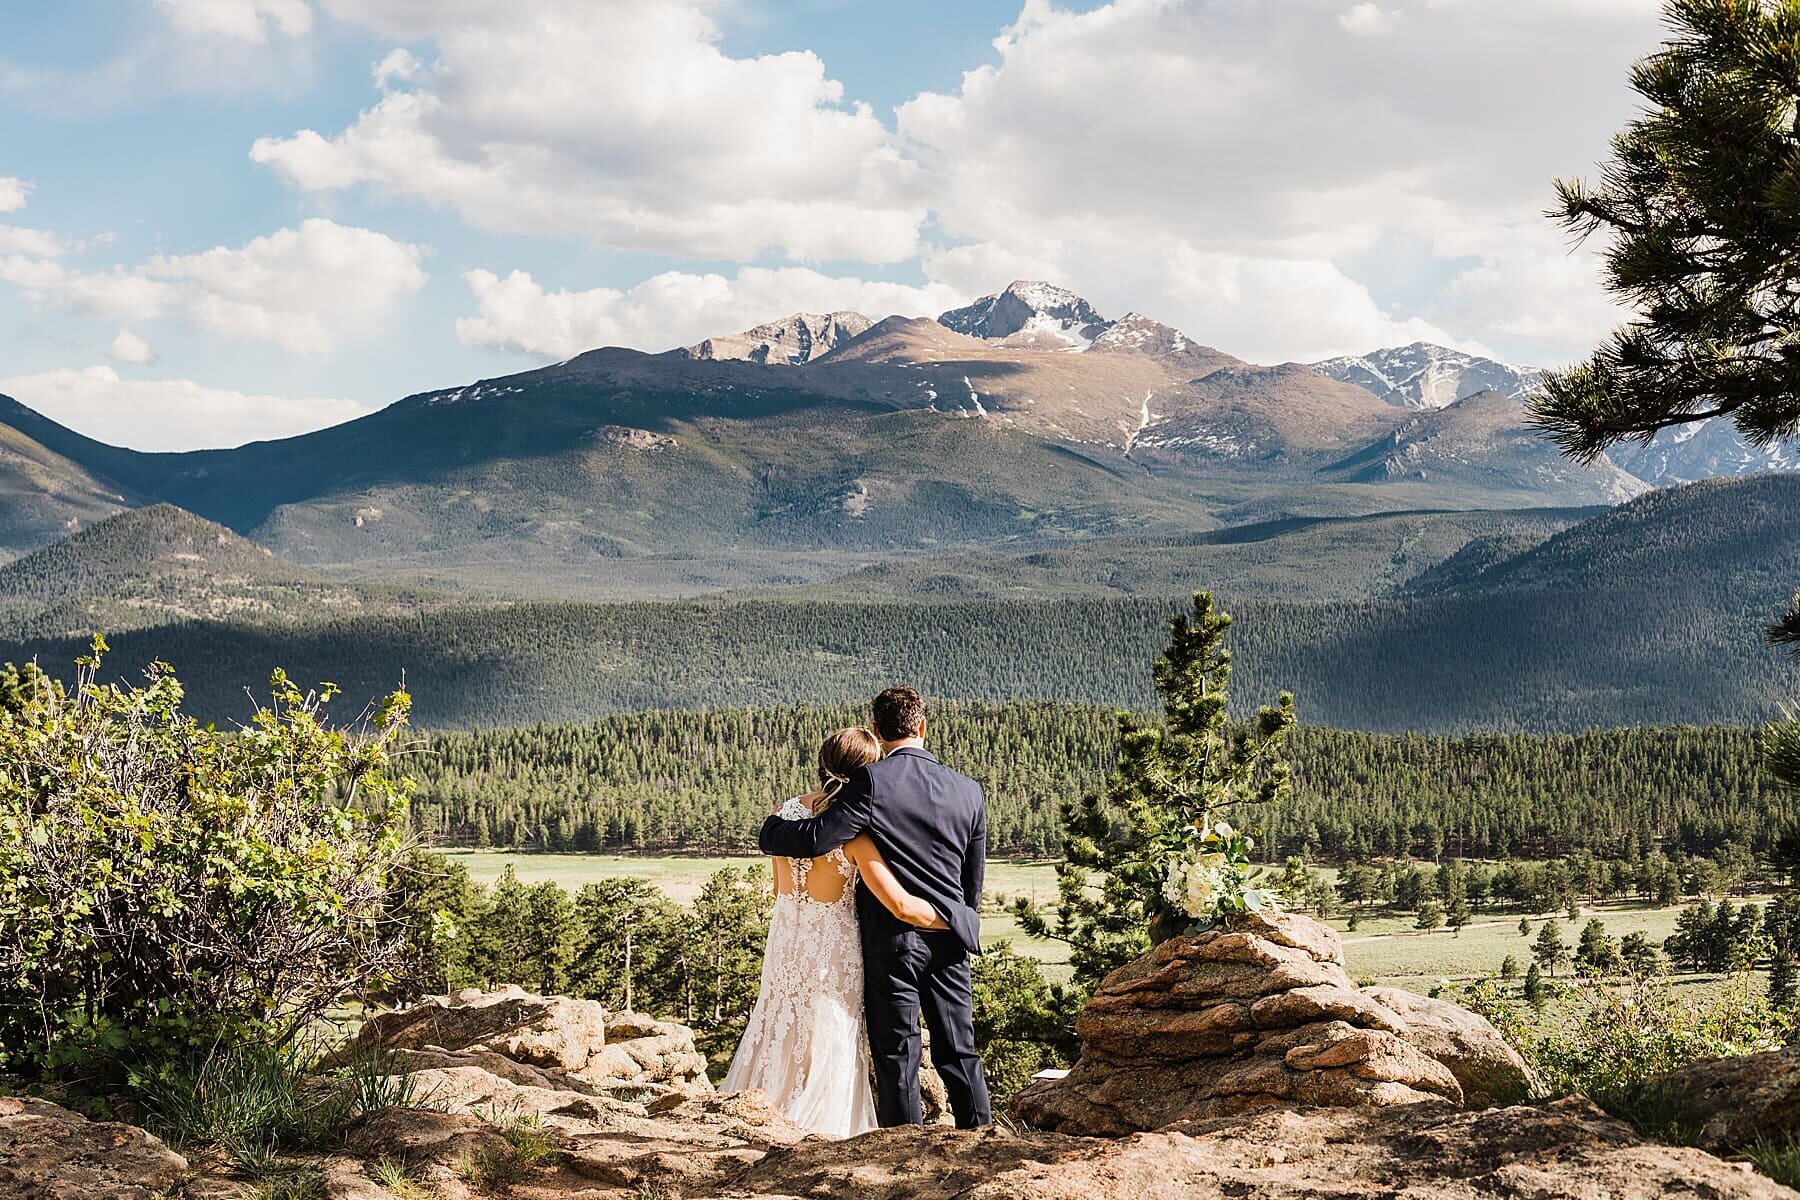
1426 376
1032 313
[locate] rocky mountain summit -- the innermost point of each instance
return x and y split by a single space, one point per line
791 341
1238 1062
1426 376
1030 313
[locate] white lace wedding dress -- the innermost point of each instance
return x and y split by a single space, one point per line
806 1044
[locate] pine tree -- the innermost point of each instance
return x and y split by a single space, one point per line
1784 988
503 924
550 932
1431 916
1689 945
622 948
1638 955
1172 776
1595 949
439 910
1458 914
1535 992
719 953
1549 951
1701 202
1524 926
1509 967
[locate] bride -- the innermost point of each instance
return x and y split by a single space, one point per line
805 1045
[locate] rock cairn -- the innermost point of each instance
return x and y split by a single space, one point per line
1260 1015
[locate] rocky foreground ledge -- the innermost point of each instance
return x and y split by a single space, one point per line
1234 1064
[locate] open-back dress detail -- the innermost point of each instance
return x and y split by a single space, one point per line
806 1045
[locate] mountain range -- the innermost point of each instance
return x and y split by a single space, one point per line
810 446
1003 502
1650 612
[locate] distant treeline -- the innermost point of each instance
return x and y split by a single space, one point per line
1455 663
700 782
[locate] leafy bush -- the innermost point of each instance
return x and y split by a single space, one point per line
168 887
1628 1036
1023 1025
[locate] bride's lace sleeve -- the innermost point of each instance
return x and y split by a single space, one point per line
796 809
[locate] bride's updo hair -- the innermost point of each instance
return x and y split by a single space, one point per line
841 754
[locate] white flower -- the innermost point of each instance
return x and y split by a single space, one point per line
1193 887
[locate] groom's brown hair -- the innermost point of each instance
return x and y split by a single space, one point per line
898 713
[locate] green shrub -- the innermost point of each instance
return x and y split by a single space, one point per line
1023 1025
167 887
1625 1037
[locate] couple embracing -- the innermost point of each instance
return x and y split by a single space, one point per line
849 969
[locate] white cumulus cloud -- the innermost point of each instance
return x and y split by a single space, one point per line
168 414
671 309
14 193
620 122
1225 166
128 347
303 288
113 293
299 288
241 20
33 243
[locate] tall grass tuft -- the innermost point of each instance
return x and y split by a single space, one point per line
1778 1159
250 1100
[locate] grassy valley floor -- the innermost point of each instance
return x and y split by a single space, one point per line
1383 949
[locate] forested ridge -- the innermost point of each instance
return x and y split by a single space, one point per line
1687 651
701 781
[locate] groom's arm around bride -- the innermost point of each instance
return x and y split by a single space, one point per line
930 824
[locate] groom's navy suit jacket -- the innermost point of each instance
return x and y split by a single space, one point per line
929 823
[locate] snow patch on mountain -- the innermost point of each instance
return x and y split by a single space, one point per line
1030 313
1702 450
1424 376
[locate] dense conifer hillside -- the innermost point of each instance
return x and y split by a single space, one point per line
699 781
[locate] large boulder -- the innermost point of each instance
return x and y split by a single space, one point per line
1733 1103
50 1153
623 1098
1488 1068
1260 1014
552 1039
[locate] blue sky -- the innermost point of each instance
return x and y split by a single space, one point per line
221 224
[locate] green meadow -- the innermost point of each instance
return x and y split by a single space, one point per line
1382 949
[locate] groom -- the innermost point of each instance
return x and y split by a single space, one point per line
930 823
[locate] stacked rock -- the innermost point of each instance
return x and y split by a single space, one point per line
1259 1014
579 1040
